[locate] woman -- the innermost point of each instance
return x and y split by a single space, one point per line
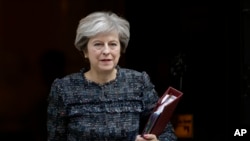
103 101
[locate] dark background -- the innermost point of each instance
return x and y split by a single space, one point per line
210 38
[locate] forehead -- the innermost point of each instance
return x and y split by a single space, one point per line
107 35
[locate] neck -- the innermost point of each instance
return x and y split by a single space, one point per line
101 77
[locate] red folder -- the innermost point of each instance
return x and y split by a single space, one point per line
162 112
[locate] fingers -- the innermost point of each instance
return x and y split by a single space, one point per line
146 137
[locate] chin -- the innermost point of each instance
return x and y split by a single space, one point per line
107 68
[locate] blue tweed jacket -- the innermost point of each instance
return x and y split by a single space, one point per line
82 110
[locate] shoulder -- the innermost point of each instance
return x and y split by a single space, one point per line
131 72
68 80
134 75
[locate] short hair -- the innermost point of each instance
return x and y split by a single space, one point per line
102 22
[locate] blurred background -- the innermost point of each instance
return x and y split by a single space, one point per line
200 48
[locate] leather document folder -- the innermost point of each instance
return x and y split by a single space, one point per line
163 111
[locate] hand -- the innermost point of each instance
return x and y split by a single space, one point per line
146 137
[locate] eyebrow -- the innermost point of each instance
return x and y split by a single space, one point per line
94 41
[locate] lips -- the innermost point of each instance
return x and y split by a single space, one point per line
105 59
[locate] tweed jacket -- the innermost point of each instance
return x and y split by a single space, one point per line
82 110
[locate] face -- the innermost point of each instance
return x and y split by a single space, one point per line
103 52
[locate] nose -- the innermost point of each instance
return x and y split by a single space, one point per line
106 50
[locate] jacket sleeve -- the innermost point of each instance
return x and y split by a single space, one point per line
56 114
150 98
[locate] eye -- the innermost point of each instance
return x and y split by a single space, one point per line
113 44
98 45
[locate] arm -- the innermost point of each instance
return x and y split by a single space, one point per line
56 115
150 99
168 134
